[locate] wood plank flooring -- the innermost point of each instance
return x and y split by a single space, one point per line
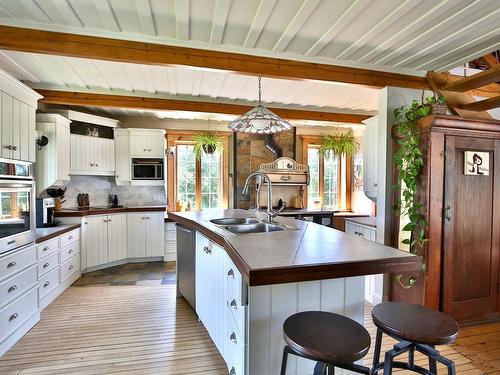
105 327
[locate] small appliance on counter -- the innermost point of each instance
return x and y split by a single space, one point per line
45 208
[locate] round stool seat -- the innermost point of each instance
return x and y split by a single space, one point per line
415 323
326 337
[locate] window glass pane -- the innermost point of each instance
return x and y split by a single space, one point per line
331 166
210 181
313 163
186 174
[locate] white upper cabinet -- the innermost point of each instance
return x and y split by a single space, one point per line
52 167
370 158
122 157
92 155
147 143
18 104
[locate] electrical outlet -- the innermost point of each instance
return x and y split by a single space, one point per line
157 197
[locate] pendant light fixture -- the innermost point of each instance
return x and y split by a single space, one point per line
260 120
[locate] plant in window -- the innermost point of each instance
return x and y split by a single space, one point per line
339 145
207 143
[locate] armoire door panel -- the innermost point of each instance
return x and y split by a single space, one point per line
471 231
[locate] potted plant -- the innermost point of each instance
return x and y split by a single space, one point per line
338 145
207 143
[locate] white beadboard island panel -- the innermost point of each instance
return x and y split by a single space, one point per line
270 305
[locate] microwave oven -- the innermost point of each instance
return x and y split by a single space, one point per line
147 169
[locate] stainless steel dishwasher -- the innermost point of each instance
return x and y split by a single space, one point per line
186 263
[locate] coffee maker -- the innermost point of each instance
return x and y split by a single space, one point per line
45 208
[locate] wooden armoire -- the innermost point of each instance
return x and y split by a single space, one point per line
460 192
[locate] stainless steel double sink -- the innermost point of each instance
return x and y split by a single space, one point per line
247 225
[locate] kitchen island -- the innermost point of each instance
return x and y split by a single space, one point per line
248 284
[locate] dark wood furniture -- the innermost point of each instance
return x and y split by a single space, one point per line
463 212
330 339
340 217
417 328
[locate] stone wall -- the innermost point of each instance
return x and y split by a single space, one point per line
250 153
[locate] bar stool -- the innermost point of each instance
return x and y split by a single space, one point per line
330 339
417 328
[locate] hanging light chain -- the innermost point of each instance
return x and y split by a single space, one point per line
260 90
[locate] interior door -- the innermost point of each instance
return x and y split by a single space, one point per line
471 219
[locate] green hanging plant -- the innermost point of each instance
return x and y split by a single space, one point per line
338 145
208 144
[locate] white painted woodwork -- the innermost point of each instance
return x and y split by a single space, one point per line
370 158
155 231
69 237
7 125
86 117
136 234
117 240
14 262
170 242
48 264
92 155
147 143
48 282
16 285
18 312
95 240
53 160
69 251
122 157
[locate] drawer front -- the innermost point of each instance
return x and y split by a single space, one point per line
70 267
13 263
48 282
234 281
235 344
237 312
14 315
48 264
47 248
69 251
69 237
17 285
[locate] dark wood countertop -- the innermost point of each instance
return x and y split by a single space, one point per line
76 212
310 252
44 234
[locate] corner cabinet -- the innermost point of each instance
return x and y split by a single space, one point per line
370 158
18 104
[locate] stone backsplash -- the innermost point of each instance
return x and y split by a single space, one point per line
100 187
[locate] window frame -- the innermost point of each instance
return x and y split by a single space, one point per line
175 138
344 183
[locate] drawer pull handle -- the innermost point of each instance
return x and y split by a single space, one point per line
13 316
232 372
45 248
230 273
233 304
232 337
70 267
70 251
46 284
207 250
11 264
70 237
12 288
46 265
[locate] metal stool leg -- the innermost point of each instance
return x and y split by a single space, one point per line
320 368
389 357
283 361
411 357
331 370
378 346
432 363
451 369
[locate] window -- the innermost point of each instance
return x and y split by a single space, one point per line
202 183
20 201
328 184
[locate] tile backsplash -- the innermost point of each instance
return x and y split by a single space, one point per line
100 187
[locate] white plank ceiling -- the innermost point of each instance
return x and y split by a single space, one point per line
397 35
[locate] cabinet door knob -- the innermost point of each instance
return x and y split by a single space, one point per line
96 165
207 250
46 284
14 148
232 372
232 337
13 316
230 273
375 184
12 288
233 304
11 264
447 213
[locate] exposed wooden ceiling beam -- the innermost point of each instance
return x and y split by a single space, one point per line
488 91
63 44
490 60
482 105
486 77
159 104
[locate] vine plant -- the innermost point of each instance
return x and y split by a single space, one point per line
409 162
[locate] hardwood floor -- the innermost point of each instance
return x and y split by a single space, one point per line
127 320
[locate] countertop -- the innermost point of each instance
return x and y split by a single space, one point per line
309 252
44 234
370 221
72 212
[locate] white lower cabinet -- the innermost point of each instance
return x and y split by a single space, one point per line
219 297
145 234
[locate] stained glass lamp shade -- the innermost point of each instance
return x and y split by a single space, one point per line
259 120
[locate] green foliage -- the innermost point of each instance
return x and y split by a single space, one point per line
409 162
435 100
338 145
204 142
